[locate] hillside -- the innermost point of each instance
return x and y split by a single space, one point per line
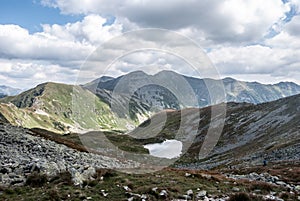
60 108
251 134
155 94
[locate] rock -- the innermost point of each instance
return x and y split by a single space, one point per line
235 189
89 173
272 197
280 183
253 176
126 188
187 174
190 192
274 179
163 194
154 189
201 194
206 176
104 194
130 199
50 169
297 188
77 179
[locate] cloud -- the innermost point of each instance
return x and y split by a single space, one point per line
25 74
17 43
293 28
272 63
91 30
221 21
69 42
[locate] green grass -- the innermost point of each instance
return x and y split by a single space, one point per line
175 182
66 105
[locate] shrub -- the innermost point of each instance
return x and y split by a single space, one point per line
105 173
36 180
265 187
239 197
62 178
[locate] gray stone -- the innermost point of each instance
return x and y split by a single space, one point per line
235 189
280 183
89 173
163 193
201 194
190 192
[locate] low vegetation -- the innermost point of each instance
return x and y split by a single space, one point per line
112 185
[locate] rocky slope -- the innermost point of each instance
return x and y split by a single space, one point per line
251 134
155 94
21 153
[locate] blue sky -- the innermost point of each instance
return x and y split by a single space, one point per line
30 14
50 40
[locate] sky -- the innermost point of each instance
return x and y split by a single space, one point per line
56 40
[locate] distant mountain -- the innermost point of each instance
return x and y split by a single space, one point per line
8 91
156 95
62 108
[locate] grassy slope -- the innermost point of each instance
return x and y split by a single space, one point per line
64 107
175 182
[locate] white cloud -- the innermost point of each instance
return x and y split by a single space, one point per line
222 21
25 74
17 43
88 31
272 63
72 42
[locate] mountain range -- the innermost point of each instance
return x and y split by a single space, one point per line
8 91
124 102
235 91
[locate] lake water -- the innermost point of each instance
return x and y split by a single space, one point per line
167 149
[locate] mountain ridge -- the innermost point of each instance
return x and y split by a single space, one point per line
59 108
236 91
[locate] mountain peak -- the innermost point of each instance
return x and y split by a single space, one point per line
228 79
137 73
